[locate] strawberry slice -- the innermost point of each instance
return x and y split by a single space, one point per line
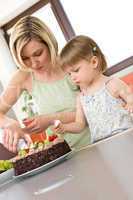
38 137
52 137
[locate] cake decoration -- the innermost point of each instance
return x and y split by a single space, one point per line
46 146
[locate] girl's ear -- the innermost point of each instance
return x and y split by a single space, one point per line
94 61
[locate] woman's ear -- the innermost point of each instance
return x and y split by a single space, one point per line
94 61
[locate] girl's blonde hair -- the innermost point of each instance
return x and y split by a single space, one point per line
27 28
81 47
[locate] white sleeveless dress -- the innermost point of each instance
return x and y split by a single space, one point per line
105 114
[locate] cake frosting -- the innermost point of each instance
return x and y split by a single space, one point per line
39 155
44 149
46 146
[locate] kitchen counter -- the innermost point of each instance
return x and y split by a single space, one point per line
102 171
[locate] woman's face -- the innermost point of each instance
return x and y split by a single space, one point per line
36 56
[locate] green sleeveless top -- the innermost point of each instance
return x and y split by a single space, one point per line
59 96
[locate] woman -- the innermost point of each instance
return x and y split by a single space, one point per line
35 50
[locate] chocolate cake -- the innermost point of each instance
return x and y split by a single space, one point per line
40 157
45 147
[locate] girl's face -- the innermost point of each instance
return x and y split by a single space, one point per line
83 73
36 56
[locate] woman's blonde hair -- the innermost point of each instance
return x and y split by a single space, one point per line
27 28
82 47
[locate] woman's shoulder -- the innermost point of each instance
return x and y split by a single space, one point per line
20 77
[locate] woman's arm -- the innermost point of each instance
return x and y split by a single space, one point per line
41 122
7 100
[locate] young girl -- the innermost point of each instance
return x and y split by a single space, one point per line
106 103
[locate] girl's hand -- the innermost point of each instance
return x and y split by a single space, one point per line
129 107
60 129
36 124
12 133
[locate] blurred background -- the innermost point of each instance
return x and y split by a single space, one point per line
108 22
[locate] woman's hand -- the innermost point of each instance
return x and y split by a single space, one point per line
12 133
36 124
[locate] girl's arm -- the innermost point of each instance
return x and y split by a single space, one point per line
64 117
123 91
74 127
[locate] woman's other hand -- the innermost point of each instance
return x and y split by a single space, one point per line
36 124
12 133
